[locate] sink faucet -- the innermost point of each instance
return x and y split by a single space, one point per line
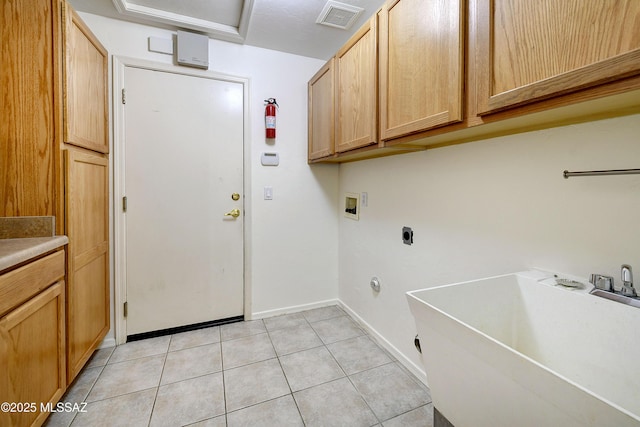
627 281
602 282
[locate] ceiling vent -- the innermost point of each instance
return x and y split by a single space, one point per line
339 15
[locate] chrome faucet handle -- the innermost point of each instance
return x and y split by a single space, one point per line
602 282
627 281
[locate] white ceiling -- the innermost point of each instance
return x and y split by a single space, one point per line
284 25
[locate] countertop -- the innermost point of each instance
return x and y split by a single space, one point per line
16 251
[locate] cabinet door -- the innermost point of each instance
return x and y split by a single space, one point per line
321 113
531 50
421 63
87 226
32 356
85 76
356 90
27 102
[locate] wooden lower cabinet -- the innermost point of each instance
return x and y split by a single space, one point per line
87 226
32 347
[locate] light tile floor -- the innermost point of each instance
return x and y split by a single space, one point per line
314 368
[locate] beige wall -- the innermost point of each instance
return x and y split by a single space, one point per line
486 208
291 240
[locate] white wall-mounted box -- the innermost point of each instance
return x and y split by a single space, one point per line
160 45
270 159
352 205
192 50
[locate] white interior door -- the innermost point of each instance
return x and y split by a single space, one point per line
183 154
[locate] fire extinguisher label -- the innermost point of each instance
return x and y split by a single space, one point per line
270 122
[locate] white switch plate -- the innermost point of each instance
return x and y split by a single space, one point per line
268 193
364 199
159 45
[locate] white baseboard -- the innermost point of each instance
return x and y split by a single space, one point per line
382 341
107 342
293 309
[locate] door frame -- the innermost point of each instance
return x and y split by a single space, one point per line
120 63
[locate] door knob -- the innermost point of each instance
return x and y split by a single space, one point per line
234 213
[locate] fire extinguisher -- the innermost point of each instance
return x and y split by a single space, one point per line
270 117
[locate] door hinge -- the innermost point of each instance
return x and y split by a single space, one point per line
124 96
126 309
124 204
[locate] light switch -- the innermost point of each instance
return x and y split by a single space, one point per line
268 193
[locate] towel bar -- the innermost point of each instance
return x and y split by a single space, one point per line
567 174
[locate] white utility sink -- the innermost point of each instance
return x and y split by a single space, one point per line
520 350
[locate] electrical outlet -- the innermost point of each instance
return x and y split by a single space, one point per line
407 235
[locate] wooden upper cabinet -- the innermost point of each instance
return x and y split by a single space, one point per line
321 113
532 50
421 65
357 90
85 93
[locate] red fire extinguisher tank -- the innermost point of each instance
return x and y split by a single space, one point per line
270 117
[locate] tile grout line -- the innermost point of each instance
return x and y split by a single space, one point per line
155 398
352 384
224 389
345 375
364 400
392 360
285 375
268 331
84 399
